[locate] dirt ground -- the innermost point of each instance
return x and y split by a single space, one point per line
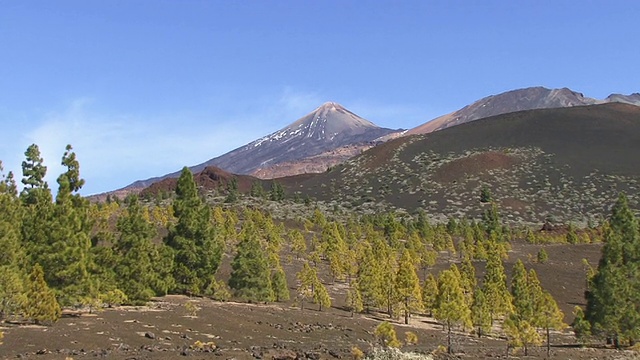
165 330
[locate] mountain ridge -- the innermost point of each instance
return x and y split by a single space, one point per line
328 127
518 100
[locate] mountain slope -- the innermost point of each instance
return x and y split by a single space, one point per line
565 163
327 128
518 100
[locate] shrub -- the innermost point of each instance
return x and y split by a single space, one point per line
386 335
191 308
543 257
410 338
356 353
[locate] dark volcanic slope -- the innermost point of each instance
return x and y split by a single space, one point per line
565 163
518 100
329 127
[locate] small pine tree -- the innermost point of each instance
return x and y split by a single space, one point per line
321 296
354 299
279 284
386 335
480 313
581 326
251 276
410 338
451 308
430 293
41 305
408 286
542 256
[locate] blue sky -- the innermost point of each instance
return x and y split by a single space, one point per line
142 88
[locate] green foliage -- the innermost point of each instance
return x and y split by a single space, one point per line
35 189
386 335
494 285
279 284
307 279
232 191
218 290
614 290
65 253
251 275
370 278
581 326
481 312
549 317
542 256
257 191
12 292
191 308
520 333
430 293
115 297
410 338
196 247
277 191
407 286
485 195
354 299
321 296
41 305
451 305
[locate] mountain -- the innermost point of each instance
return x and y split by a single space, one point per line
566 164
518 100
327 128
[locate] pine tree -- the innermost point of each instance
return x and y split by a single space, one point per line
41 305
520 323
257 191
354 299
68 260
495 286
33 170
12 257
307 280
407 286
581 326
549 317
251 275
614 291
279 284
370 279
196 246
468 278
136 254
277 191
386 335
321 295
430 293
481 313
451 305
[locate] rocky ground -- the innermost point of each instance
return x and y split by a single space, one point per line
166 330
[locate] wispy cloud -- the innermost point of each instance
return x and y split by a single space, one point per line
117 149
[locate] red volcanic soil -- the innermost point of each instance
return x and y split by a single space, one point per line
474 165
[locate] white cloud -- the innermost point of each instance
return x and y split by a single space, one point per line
115 150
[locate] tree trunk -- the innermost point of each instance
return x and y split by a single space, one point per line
406 311
548 342
449 350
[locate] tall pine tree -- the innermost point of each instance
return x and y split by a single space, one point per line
196 247
613 300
